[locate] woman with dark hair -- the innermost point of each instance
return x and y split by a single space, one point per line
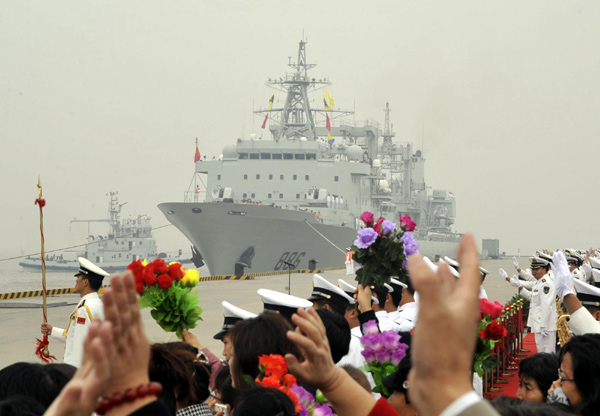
265 334
536 375
263 401
578 373
42 382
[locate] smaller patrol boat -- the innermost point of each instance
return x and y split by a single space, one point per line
127 240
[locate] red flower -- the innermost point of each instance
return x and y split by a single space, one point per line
377 227
274 365
164 281
493 309
175 271
41 202
270 382
139 286
294 398
494 331
289 380
149 277
367 218
160 266
136 267
407 223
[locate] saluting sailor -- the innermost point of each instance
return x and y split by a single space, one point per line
542 307
575 261
90 307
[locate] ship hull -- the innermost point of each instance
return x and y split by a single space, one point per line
264 238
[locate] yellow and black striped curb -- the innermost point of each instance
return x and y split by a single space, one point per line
249 276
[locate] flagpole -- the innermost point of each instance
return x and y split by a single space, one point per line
42 348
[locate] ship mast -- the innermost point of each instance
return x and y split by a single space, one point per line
296 119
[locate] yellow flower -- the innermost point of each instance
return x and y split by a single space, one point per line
193 276
185 280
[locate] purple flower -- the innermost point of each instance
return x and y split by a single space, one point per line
410 244
391 340
388 227
382 355
323 410
374 341
398 354
366 237
370 327
304 397
369 354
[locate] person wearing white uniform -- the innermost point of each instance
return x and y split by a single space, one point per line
584 307
542 307
90 307
575 261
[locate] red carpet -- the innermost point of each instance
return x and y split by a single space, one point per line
510 389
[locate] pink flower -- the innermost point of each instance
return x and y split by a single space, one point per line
407 223
370 327
367 217
493 309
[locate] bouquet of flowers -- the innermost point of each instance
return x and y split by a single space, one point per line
167 290
382 248
274 374
490 332
383 351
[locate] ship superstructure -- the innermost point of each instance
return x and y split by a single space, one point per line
296 197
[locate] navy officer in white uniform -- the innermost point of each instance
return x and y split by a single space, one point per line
90 307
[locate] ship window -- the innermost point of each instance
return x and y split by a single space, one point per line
253 196
218 177
245 176
196 210
310 156
245 195
306 177
288 156
281 177
119 255
265 155
254 156
242 155
280 196
257 176
295 177
269 196
297 196
299 156
270 176
277 156
336 178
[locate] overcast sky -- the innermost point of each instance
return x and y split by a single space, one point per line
502 96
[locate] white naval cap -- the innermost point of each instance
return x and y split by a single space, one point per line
349 290
232 315
587 294
573 256
543 256
453 269
596 276
595 262
397 284
451 262
537 262
89 269
322 289
282 303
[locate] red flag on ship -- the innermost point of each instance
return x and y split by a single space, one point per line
265 122
328 124
197 155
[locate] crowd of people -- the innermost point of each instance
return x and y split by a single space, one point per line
113 369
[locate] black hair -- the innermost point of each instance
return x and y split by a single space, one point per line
201 371
95 282
338 333
337 308
263 401
21 406
264 334
541 367
42 382
585 350
396 296
511 406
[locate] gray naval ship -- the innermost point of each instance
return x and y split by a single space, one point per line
294 200
127 240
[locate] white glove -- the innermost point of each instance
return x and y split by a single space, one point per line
562 275
503 274
528 271
515 263
515 281
545 332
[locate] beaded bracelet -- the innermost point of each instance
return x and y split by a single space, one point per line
130 395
